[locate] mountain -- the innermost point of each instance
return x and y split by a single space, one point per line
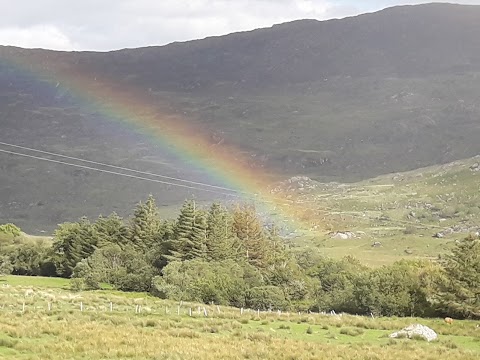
340 100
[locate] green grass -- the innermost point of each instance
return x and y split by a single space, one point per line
35 281
98 333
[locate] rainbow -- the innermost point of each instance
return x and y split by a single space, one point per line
131 108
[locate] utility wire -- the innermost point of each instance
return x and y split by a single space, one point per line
120 167
118 173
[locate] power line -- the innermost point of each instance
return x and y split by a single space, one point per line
118 173
120 167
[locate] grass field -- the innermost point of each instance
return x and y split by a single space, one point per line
401 211
142 327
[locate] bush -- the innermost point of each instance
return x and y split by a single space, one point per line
266 298
77 284
351 331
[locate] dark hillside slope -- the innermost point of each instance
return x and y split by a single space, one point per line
335 100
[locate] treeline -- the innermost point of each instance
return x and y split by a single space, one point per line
228 257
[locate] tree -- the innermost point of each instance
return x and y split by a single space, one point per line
459 292
189 235
72 243
221 243
145 226
32 259
223 282
6 266
126 269
111 230
10 229
335 283
400 289
249 230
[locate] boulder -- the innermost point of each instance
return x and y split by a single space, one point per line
416 330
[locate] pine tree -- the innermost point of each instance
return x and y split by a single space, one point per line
111 230
189 234
460 292
221 243
199 235
145 226
249 230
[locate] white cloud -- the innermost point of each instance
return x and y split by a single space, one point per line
43 36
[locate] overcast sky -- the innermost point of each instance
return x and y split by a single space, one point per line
114 24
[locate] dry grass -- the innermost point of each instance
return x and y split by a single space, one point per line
96 333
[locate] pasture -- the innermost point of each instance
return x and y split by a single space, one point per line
42 319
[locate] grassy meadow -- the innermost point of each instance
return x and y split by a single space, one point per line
42 319
401 211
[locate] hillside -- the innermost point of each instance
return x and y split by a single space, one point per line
339 100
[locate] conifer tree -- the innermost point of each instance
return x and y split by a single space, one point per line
189 233
221 243
249 230
111 230
145 226
460 292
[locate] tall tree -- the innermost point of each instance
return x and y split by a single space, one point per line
145 226
459 293
189 235
249 230
111 230
221 242
72 243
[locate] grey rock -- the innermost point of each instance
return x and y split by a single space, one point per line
416 330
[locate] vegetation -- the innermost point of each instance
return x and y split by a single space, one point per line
228 257
52 325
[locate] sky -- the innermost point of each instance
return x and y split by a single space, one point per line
103 25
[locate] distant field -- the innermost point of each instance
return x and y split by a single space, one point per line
143 327
403 212
35 281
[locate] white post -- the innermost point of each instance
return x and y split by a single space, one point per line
178 310
23 307
258 312
81 305
205 312
190 311
218 309
111 306
241 311
49 306
166 310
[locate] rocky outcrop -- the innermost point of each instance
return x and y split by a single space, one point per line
414 331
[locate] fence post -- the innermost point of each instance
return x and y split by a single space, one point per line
81 305
241 311
190 311
49 306
111 306
23 307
